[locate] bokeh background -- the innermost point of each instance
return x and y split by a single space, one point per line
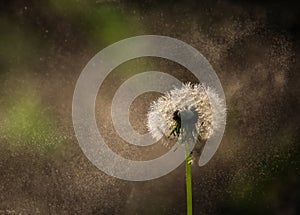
254 49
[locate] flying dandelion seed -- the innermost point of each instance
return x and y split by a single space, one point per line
208 109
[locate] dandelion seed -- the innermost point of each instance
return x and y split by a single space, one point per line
200 98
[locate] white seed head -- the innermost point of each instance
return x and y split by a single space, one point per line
204 99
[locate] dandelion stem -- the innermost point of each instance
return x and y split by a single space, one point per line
188 179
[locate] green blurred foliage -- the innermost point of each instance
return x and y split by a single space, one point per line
104 23
19 45
259 186
26 122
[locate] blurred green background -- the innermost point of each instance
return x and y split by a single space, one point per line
254 49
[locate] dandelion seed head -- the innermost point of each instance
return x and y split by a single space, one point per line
203 99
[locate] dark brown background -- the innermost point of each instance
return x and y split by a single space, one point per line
253 47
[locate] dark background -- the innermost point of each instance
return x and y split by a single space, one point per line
254 49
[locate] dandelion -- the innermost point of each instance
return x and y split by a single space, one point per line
203 101
190 114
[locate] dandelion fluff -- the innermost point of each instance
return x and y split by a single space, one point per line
209 106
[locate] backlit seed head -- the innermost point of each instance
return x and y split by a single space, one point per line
195 97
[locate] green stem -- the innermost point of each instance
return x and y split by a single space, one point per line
188 179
